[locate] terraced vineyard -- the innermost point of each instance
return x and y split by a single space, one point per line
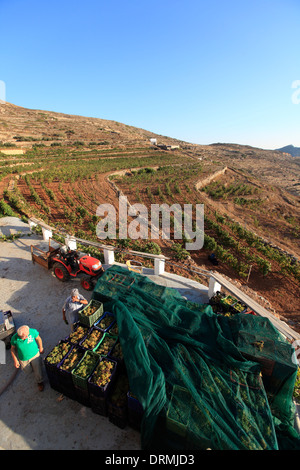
65 187
251 225
242 250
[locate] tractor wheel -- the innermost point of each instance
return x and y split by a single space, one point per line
87 284
61 272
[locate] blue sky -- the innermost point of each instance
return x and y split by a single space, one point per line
200 71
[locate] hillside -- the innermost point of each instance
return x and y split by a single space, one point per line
60 168
24 128
294 151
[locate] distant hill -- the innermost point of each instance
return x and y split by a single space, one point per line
294 151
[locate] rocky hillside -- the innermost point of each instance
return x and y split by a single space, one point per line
24 128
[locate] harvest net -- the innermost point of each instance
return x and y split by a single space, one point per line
204 380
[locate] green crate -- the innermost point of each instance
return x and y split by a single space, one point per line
91 319
105 337
81 382
228 301
239 307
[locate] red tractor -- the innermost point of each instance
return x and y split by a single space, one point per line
68 264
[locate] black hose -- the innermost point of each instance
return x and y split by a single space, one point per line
9 382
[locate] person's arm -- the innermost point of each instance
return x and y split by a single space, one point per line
13 351
40 344
81 300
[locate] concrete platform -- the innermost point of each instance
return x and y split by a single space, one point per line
188 288
13 226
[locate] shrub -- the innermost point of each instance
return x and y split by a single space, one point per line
81 211
5 209
180 252
152 247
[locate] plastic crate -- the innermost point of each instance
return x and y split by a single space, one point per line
117 402
228 302
91 331
108 318
99 296
117 355
98 394
65 376
114 331
216 298
106 337
71 337
238 307
52 368
82 396
79 381
89 320
135 412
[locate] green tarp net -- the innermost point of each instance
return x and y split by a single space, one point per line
204 380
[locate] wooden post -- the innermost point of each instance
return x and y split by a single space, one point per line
249 273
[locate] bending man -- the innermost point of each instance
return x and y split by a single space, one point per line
72 305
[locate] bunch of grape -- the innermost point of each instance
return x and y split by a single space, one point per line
105 322
114 329
58 353
90 309
78 334
92 339
86 366
103 373
105 345
72 359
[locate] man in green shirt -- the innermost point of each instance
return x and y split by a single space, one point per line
26 347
